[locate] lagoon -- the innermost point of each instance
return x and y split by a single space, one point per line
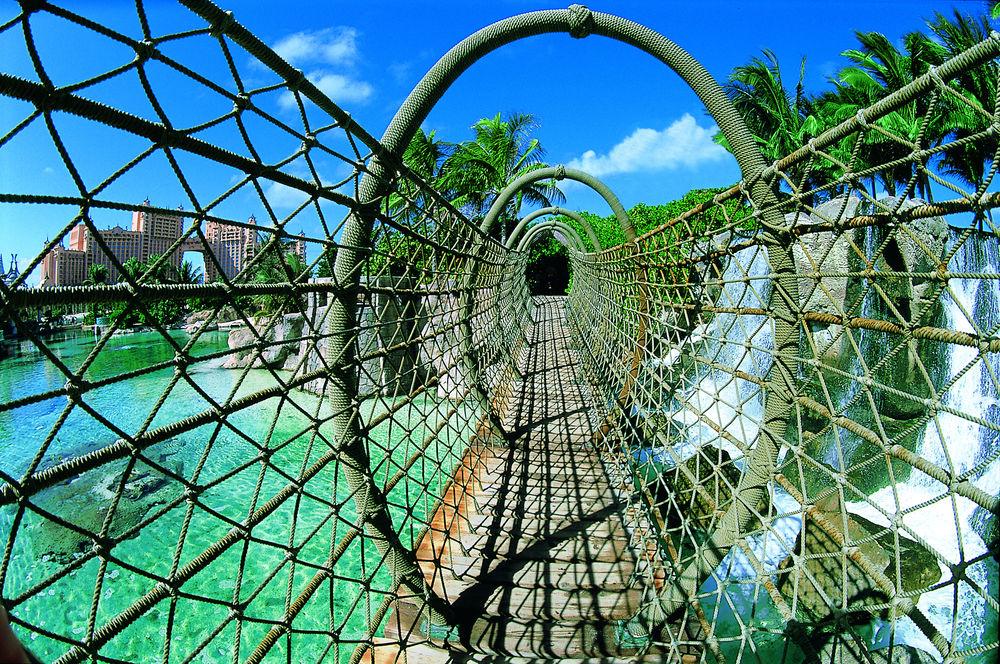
56 581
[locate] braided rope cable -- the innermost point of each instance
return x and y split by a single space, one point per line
595 243
795 383
576 242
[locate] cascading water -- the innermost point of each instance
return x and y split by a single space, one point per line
736 341
956 526
963 611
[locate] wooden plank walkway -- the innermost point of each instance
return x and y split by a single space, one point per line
529 545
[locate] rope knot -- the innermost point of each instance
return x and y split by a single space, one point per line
581 21
222 25
144 50
936 76
241 102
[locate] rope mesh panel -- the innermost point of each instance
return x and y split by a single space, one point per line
197 498
259 494
877 526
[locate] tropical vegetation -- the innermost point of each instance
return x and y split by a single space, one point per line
468 176
154 270
275 262
783 119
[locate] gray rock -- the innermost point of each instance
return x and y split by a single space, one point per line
917 246
847 649
271 353
837 575
825 252
85 500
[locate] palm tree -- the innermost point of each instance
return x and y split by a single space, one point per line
878 69
97 274
970 109
502 151
780 121
133 268
189 274
411 202
277 263
424 156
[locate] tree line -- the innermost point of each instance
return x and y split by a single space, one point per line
783 119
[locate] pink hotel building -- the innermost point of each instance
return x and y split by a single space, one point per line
151 233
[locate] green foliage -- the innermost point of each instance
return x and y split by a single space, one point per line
189 274
325 264
780 120
503 150
783 119
647 217
96 274
162 312
400 255
276 263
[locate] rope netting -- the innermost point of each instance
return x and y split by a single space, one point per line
797 388
207 494
809 419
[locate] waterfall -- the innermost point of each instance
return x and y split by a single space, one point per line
951 525
741 342
960 445
734 341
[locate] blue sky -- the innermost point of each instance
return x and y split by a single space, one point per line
601 105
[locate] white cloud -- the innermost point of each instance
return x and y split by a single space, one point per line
338 87
682 144
282 197
332 54
330 46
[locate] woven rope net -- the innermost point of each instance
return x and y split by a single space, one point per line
798 400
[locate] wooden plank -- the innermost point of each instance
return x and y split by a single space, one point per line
529 545
548 574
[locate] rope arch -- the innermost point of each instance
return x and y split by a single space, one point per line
579 21
536 232
554 210
420 251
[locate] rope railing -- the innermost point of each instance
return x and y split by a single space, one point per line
792 385
872 530
259 489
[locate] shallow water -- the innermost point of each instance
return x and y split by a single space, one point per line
58 586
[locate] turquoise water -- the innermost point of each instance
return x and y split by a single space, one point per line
161 531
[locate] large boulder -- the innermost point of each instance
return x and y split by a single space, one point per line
698 505
918 246
86 499
825 574
268 351
830 253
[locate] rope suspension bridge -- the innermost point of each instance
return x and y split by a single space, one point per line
762 430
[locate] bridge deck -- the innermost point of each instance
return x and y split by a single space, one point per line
529 545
